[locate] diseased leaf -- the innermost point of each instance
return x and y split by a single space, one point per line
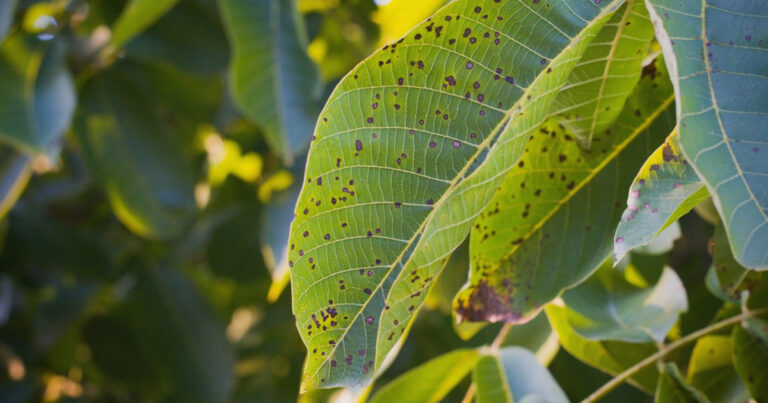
727 279
608 307
15 171
604 77
513 374
550 224
713 49
38 94
672 387
750 356
134 157
431 381
137 16
273 81
711 371
665 189
409 149
7 9
611 357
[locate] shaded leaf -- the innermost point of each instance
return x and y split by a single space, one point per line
134 157
7 10
550 224
665 189
409 148
15 171
727 279
38 94
273 81
711 371
750 356
714 52
514 374
431 381
608 307
274 233
604 77
137 16
611 357
672 387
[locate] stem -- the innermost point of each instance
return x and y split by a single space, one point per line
616 381
494 347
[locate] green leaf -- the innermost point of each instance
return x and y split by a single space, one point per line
672 387
7 10
431 381
608 307
409 149
514 374
134 157
727 279
711 371
550 224
611 357
137 16
665 189
273 236
177 323
273 80
750 356
604 78
713 49
38 94
15 171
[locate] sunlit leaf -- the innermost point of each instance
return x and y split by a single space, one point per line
611 357
550 224
673 388
726 278
604 78
513 374
137 16
273 81
608 307
7 9
397 17
38 94
711 371
717 61
431 381
134 157
750 356
665 189
409 149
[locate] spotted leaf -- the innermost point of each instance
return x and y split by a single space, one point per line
513 374
710 370
715 51
551 223
604 78
409 149
750 356
726 278
665 189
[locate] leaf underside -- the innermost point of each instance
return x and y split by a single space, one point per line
409 148
718 63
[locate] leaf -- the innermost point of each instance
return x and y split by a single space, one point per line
604 77
672 387
137 16
38 94
134 157
714 52
550 224
711 371
750 356
7 10
382 209
15 171
727 279
273 81
665 189
611 357
177 324
608 307
273 236
514 374
431 381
